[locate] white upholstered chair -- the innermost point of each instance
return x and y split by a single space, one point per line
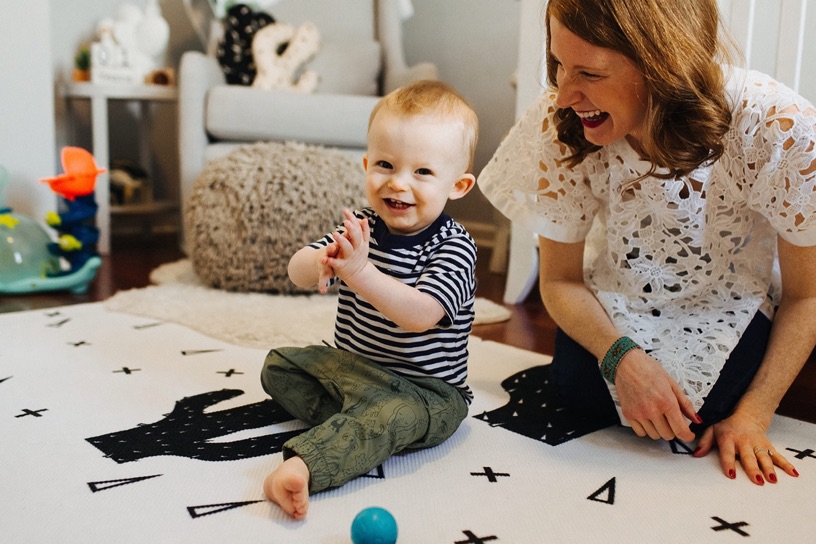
361 57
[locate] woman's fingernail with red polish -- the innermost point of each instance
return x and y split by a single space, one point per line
772 478
732 474
795 472
697 450
759 479
697 418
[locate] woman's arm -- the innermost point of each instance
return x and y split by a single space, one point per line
651 401
793 337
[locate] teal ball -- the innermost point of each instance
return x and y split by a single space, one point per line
374 526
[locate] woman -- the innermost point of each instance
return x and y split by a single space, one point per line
699 177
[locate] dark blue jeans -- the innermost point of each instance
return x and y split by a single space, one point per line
581 387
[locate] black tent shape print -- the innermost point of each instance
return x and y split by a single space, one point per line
605 494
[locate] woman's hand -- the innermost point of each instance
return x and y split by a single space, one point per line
741 437
651 401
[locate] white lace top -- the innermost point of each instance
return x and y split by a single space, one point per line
681 266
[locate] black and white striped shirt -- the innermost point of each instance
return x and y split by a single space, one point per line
439 261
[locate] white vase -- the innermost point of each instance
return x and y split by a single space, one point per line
152 34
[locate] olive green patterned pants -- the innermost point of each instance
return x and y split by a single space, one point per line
361 413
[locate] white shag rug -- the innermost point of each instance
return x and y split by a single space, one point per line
244 319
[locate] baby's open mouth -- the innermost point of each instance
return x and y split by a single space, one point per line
398 204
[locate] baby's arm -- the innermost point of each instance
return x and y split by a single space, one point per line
406 306
307 267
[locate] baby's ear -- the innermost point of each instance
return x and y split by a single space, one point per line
462 186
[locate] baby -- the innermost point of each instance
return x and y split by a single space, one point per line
397 376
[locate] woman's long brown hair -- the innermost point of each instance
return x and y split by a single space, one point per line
678 48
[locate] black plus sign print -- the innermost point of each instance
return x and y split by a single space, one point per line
803 454
229 373
35 413
473 539
126 370
491 476
736 527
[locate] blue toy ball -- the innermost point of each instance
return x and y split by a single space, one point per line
374 526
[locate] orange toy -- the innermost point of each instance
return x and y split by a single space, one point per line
80 174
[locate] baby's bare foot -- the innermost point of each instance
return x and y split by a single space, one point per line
288 486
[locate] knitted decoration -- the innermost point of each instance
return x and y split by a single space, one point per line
234 51
280 52
250 211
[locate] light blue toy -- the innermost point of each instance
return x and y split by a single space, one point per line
374 525
26 264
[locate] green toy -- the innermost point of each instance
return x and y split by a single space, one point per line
26 264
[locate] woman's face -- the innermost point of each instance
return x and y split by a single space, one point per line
602 86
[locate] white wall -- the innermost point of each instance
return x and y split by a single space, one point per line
475 45
26 106
764 26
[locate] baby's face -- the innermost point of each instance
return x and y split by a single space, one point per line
414 165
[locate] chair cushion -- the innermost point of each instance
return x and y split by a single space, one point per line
236 112
348 67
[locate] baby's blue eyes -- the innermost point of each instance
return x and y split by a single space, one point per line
419 171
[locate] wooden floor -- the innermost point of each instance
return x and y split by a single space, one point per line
133 257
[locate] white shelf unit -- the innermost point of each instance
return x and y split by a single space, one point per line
100 97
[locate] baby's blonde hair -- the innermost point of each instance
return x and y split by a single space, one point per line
428 97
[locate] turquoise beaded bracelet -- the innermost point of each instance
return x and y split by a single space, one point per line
610 362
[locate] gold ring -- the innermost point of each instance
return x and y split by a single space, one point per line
758 449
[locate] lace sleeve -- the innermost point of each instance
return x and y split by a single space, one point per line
781 157
525 182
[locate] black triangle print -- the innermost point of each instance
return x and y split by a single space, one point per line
108 484
378 473
680 448
4 379
207 509
605 494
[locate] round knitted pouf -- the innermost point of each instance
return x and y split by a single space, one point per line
250 211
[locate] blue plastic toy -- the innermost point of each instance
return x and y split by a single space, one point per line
374 525
29 260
